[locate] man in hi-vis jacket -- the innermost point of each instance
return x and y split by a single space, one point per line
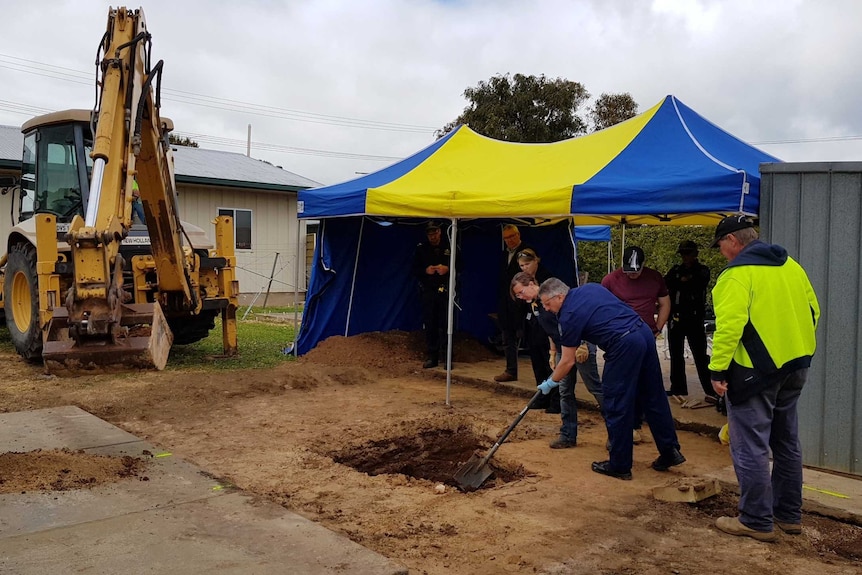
766 314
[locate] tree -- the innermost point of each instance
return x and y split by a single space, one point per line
537 109
182 141
523 109
611 109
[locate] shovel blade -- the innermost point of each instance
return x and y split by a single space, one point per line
473 474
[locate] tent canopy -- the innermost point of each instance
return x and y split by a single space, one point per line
666 165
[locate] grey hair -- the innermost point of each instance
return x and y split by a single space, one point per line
553 287
511 227
745 236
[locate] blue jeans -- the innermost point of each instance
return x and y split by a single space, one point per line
138 210
589 371
768 421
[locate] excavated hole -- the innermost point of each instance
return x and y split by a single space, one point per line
432 454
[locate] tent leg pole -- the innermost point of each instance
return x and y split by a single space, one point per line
453 242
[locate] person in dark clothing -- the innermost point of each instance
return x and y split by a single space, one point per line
431 268
632 374
535 337
686 285
524 287
510 314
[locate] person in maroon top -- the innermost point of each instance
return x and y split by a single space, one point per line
642 288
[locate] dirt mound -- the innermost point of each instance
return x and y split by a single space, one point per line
393 352
60 470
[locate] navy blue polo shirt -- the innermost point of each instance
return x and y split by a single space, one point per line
592 313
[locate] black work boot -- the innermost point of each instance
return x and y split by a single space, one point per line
667 460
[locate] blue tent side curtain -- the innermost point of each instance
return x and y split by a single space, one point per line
361 279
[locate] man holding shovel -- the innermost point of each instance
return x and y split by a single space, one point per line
632 373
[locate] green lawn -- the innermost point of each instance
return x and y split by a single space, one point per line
260 345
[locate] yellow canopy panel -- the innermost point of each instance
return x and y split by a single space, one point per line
475 176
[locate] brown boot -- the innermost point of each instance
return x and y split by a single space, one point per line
733 526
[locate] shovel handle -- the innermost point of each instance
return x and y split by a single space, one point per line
506 433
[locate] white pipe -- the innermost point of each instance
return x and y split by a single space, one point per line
296 285
95 192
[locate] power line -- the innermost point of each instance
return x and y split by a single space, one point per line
235 143
76 76
30 111
809 140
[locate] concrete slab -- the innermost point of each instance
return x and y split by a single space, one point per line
180 520
67 427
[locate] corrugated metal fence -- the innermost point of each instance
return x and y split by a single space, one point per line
815 211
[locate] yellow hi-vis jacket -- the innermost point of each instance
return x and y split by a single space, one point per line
769 290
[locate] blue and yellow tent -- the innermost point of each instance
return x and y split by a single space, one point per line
668 165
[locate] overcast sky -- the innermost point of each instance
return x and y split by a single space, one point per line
335 88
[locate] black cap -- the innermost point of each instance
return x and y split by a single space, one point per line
729 225
633 259
687 247
432 225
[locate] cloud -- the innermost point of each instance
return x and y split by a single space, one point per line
306 74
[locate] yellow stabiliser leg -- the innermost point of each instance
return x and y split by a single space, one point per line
228 286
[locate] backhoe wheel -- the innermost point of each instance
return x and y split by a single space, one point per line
21 293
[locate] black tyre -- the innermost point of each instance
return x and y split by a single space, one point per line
21 294
188 330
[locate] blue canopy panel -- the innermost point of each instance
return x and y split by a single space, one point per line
348 198
593 233
680 162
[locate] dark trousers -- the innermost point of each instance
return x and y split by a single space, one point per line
764 423
511 343
632 382
678 332
435 308
540 351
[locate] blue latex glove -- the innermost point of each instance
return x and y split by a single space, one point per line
547 385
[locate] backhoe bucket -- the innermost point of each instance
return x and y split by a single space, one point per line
146 345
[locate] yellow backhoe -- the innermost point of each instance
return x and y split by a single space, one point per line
82 286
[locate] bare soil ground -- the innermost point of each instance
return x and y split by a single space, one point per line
357 437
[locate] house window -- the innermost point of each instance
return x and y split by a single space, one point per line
241 226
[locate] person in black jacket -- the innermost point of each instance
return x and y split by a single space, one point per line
431 268
510 313
534 335
686 285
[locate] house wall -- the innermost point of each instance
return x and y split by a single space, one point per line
5 208
814 210
274 231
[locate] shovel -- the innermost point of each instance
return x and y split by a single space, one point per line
476 471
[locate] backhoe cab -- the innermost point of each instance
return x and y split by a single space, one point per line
84 287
